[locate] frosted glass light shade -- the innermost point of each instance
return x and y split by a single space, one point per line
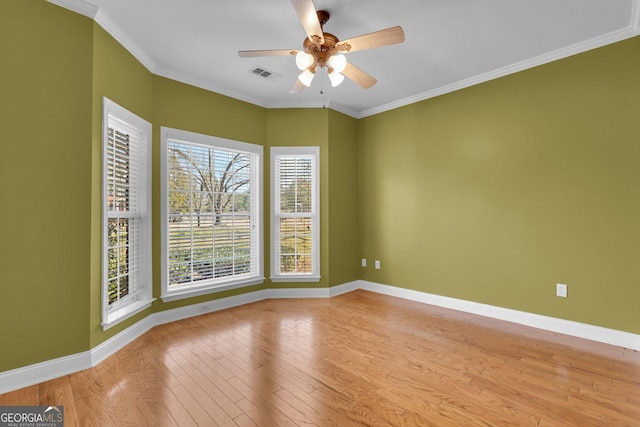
338 62
336 78
306 77
303 60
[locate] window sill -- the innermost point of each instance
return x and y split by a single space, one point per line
125 312
198 290
295 278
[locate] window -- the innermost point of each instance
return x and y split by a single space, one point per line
126 224
212 214
295 234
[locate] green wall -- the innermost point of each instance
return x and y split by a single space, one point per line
343 252
336 135
491 194
497 192
121 78
308 127
45 175
180 106
51 170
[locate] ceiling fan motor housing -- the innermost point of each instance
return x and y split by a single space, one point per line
322 52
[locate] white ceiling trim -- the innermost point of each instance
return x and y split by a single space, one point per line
317 103
78 6
127 42
184 78
343 109
635 16
309 103
89 10
597 42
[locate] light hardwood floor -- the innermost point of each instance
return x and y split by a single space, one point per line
356 359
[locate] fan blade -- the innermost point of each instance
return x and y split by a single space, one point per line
253 53
386 37
359 76
309 20
297 87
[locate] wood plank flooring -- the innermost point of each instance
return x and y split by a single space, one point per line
352 360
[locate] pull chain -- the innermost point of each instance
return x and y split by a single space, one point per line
324 104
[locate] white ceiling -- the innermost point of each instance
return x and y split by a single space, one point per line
450 44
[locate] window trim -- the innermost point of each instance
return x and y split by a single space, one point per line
188 291
144 299
275 275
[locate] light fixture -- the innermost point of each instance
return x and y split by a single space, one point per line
306 77
304 60
308 62
335 77
337 62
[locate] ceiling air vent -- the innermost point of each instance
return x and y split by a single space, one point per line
265 74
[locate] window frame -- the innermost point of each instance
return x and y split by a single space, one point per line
139 248
312 152
214 285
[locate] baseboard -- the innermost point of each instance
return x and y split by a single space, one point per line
115 343
566 327
44 371
334 291
50 369
175 314
313 292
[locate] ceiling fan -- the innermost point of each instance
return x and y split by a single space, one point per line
322 49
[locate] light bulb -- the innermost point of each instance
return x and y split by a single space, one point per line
336 78
304 60
337 62
306 77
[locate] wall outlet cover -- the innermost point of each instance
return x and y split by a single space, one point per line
561 290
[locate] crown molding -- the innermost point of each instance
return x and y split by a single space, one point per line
635 16
207 85
546 58
102 19
344 109
78 6
127 42
310 103
91 11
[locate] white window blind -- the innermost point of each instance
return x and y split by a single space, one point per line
295 220
126 213
212 214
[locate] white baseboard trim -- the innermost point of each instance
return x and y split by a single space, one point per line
345 288
54 368
102 351
44 371
553 324
313 292
50 369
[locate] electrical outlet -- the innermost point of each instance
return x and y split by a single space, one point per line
364 262
561 290
377 264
